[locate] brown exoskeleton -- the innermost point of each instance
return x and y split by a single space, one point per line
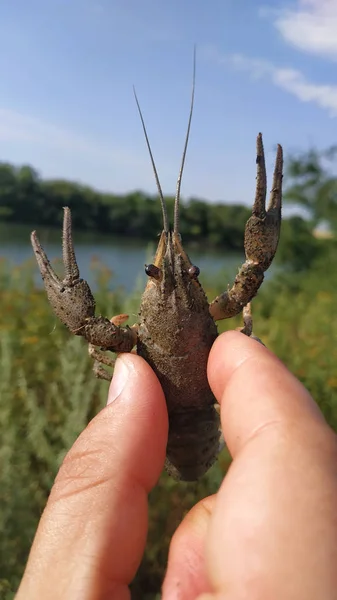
176 327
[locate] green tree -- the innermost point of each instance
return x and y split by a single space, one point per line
298 247
312 185
8 188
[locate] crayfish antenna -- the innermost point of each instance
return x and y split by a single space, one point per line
162 199
177 198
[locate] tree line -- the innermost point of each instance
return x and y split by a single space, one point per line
27 198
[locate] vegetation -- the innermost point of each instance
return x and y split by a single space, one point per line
44 371
25 198
313 186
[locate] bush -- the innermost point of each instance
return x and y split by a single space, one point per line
43 407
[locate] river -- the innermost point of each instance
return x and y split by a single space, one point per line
125 258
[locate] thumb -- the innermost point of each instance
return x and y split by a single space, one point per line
92 534
274 518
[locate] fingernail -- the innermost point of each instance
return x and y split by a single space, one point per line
119 380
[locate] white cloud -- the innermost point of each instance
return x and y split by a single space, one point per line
57 151
22 128
288 79
311 25
294 82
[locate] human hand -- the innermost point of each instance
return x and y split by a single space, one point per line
269 533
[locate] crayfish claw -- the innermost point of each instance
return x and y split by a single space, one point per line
73 303
69 259
263 228
262 234
47 272
71 298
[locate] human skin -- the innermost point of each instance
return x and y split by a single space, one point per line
270 531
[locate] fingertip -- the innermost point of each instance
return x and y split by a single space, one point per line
189 577
136 398
254 389
228 352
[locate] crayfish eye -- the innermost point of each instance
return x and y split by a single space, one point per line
153 271
194 272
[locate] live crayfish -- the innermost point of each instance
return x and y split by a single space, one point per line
176 327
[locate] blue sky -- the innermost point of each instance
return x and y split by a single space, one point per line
66 102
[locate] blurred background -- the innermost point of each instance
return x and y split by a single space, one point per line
70 135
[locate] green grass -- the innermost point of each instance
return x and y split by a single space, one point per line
48 394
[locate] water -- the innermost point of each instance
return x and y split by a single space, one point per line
125 258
